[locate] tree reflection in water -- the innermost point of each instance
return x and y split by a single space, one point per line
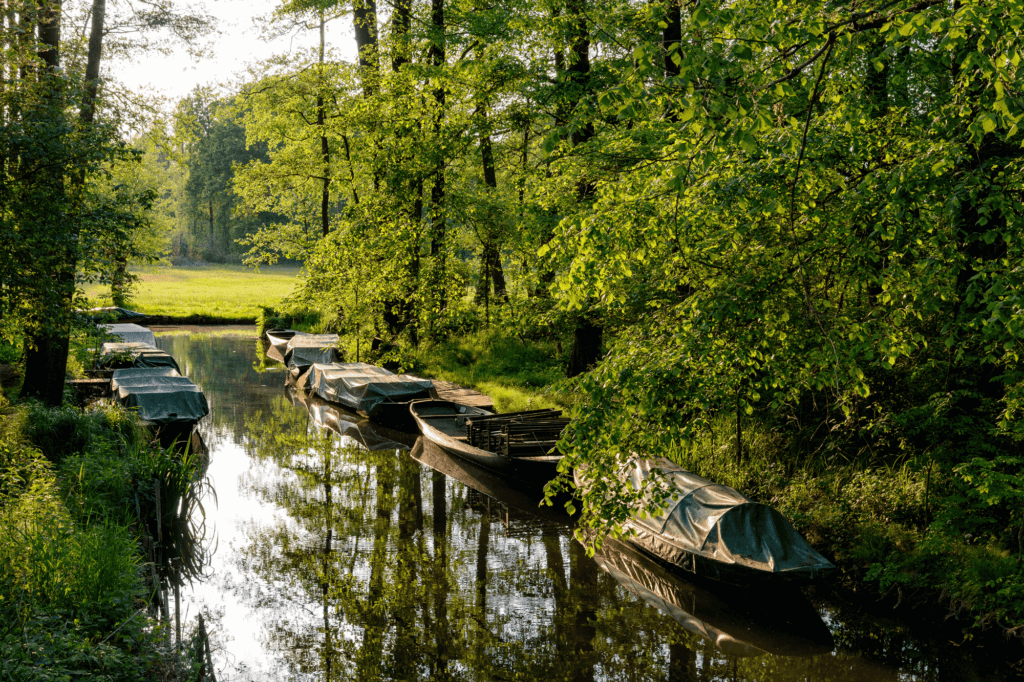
374 566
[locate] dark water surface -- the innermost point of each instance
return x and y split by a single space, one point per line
333 561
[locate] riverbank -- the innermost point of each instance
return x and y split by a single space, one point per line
77 597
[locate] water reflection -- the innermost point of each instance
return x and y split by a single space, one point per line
339 562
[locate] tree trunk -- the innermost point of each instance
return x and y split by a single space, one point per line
587 336
325 150
586 347
46 347
401 22
364 17
438 219
671 35
490 259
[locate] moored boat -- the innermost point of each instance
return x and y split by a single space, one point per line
278 339
524 498
127 332
458 429
114 314
344 422
373 392
715 531
305 350
138 355
168 404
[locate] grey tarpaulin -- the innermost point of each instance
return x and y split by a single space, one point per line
364 387
714 530
130 373
121 355
125 386
305 349
160 398
740 622
130 333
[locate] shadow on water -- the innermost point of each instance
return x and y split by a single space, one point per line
345 557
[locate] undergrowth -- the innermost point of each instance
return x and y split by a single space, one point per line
516 375
892 527
73 599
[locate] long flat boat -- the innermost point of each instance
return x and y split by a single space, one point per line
713 530
373 392
278 339
168 404
344 422
522 497
304 350
445 424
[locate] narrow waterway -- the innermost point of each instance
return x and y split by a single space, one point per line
342 551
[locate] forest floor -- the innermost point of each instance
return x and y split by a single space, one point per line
208 293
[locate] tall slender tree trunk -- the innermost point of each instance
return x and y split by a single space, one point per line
46 346
588 333
438 218
490 260
325 149
364 17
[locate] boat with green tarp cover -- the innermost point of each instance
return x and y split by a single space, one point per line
713 530
305 350
344 422
371 391
129 333
167 402
125 355
114 314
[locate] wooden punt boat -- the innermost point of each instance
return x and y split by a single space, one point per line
373 392
278 339
445 424
715 531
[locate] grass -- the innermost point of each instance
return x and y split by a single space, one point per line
73 600
517 376
228 292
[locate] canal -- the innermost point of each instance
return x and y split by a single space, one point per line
343 551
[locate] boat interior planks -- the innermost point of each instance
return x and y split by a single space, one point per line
445 423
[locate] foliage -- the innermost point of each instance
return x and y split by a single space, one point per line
72 595
796 225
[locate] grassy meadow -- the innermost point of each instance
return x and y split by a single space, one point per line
229 292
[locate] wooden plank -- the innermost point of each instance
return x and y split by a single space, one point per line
446 390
